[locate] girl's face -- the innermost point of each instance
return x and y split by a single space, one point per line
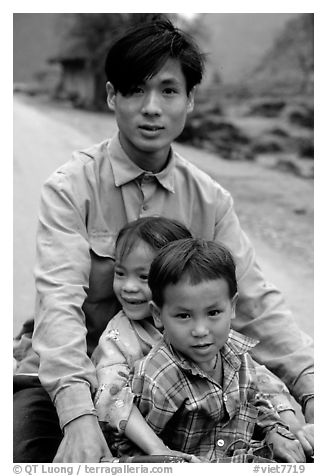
131 280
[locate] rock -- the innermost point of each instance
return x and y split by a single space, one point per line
300 115
266 107
268 143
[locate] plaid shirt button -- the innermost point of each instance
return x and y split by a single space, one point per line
220 442
225 398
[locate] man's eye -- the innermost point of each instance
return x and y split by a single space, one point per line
170 91
136 90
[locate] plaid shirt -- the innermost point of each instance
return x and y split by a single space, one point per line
190 411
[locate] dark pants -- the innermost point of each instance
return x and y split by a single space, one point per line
37 433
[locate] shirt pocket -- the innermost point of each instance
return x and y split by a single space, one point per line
248 412
247 418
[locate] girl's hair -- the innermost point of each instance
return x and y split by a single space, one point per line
144 48
193 260
155 231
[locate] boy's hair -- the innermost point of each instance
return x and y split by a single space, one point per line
193 260
155 231
144 48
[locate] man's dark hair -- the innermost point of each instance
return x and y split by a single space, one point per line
155 231
143 50
193 260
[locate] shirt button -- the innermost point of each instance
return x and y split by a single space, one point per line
145 207
225 398
220 443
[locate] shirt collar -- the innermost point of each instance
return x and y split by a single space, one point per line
237 344
124 169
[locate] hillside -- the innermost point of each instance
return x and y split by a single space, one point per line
236 42
267 115
288 65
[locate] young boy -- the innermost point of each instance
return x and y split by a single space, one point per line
152 72
197 388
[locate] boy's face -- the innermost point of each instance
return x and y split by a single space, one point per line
131 281
152 115
197 318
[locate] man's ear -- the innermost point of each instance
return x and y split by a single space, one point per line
111 96
233 302
156 314
190 100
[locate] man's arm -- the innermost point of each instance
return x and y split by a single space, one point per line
261 311
62 274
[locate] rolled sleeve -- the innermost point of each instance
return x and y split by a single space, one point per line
304 388
72 402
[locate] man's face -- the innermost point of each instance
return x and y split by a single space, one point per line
151 115
197 318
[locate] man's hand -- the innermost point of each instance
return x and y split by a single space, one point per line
306 438
284 449
309 411
83 442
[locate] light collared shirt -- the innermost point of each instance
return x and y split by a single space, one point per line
83 206
190 411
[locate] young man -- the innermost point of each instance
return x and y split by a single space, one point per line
198 386
152 72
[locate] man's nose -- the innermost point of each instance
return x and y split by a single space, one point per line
151 104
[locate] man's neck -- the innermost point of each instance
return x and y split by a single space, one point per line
149 162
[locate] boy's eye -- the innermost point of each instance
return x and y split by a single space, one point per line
183 315
214 313
144 277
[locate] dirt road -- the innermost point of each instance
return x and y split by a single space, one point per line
44 140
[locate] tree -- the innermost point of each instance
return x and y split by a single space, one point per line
90 35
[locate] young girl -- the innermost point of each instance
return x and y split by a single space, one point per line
131 334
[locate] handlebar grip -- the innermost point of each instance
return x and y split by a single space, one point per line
152 459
